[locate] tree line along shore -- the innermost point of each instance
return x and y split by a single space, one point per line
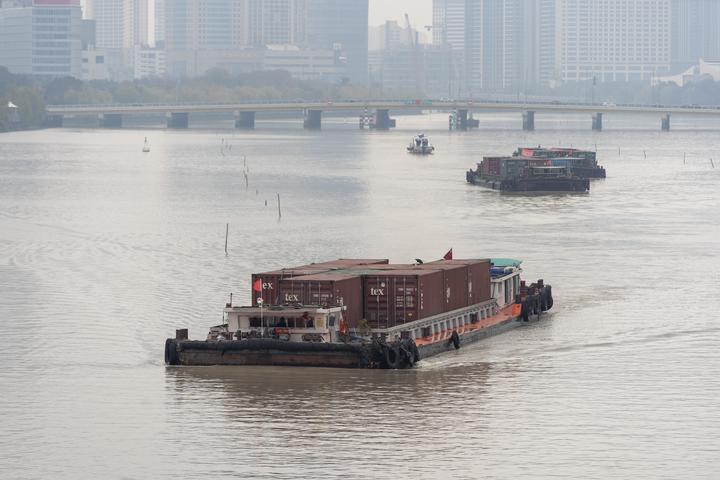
32 94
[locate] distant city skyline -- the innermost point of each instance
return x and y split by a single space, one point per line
419 11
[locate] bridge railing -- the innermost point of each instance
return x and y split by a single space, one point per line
419 103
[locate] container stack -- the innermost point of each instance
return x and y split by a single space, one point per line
384 294
270 281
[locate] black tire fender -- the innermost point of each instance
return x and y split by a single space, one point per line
409 357
391 355
455 339
525 312
549 301
171 353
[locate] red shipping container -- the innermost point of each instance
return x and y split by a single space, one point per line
478 277
270 283
326 290
455 283
347 263
270 280
395 297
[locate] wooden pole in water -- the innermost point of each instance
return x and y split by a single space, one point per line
227 231
712 163
279 210
644 154
684 157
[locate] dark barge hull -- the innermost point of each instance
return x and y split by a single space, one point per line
531 184
264 352
589 172
333 355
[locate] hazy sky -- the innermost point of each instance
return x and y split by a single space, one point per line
420 11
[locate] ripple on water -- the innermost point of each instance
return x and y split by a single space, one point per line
103 253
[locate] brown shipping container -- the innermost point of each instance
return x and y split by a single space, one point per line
478 277
347 263
389 266
271 283
271 279
326 289
455 284
401 296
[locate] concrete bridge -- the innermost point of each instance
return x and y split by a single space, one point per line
373 114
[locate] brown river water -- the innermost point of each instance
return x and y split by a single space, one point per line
104 251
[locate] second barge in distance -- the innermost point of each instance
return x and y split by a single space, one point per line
582 163
526 174
366 314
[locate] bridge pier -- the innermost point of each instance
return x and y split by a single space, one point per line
110 120
665 123
597 121
463 121
245 120
383 120
528 120
178 120
313 119
54 121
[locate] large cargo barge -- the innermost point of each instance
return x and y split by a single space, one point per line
367 314
522 174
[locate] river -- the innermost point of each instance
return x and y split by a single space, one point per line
105 251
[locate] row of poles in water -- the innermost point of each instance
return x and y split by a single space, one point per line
226 147
712 163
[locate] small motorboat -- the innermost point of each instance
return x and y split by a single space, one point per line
420 145
146 146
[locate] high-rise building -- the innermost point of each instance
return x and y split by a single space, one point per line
41 37
198 33
613 40
120 24
695 32
159 23
528 43
391 35
276 22
109 16
340 25
496 44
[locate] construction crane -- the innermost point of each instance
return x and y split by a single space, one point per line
416 54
